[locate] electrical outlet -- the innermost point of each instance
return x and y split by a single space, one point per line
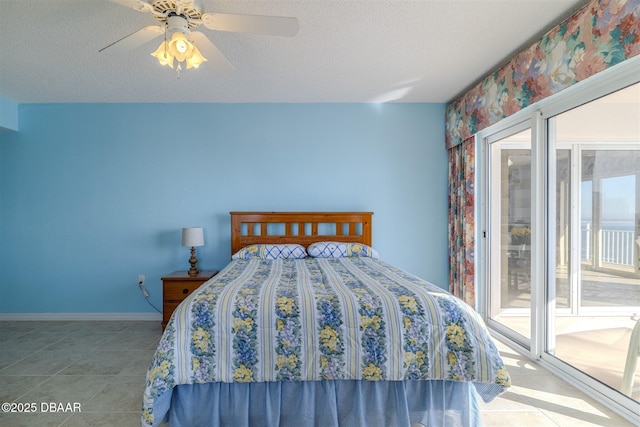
140 279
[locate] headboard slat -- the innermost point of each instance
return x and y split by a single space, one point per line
346 225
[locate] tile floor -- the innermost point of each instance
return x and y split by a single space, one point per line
537 398
101 367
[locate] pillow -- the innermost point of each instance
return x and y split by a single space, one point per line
340 249
263 251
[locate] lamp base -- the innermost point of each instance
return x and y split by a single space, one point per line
193 271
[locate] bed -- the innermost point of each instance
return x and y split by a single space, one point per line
307 326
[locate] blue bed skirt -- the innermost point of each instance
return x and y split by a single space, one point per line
433 403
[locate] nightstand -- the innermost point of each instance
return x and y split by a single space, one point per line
177 286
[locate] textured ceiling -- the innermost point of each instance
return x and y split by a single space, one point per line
345 51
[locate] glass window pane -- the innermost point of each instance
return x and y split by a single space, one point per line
511 240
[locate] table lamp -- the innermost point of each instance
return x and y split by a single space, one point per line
193 236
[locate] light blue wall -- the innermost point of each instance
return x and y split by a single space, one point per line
8 114
91 195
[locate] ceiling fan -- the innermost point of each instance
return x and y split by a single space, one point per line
182 45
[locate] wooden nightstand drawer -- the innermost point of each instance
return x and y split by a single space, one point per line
177 286
178 290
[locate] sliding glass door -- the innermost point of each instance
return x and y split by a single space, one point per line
595 295
560 210
510 232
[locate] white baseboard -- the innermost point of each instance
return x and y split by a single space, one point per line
80 316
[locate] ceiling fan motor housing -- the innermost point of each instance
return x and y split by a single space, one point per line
189 10
177 23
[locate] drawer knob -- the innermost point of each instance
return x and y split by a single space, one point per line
185 291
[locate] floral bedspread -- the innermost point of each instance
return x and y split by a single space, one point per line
321 319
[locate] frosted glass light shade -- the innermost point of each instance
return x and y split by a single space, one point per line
163 55
196 59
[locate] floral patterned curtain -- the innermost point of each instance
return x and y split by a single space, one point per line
461 220
600 35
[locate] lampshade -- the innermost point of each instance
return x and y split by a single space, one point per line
192 236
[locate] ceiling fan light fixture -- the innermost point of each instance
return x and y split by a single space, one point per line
180 49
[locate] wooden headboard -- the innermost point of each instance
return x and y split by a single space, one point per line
303 228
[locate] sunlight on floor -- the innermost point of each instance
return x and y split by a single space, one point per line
538 398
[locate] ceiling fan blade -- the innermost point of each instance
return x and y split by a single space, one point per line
215 58
256 24
139 5
135 39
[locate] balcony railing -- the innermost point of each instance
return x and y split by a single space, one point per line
617 242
